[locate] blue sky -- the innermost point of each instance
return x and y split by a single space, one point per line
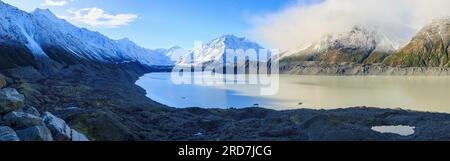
162 23
280 24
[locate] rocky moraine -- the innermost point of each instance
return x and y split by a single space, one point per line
21 122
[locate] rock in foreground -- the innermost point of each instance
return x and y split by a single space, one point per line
10 100
60 130
2 81
35 133
76 136
8 134
20 120
23 123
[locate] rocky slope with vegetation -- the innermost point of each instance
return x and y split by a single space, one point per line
21 122
429 48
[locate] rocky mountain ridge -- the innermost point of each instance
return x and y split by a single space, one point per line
359 45
33 38
425 54
429 48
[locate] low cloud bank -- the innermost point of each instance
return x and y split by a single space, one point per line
302 24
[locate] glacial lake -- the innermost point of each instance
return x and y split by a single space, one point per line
420 93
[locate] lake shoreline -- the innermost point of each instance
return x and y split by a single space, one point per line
112 108
353 69
420 93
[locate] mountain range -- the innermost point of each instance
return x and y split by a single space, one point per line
357 45
36 37
362 45
429 48
215 51
25 37
33 38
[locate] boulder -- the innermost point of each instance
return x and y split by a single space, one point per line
31 110
35 133
20 120
8 134
76 136
58 127
10 100
3 82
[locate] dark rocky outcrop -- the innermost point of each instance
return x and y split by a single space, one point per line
12 56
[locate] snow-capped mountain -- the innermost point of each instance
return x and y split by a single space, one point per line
429 48
47 36
354 46
357 38
215 51
174 53
158 57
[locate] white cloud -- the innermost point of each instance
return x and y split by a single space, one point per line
99 18
56 2
300 24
